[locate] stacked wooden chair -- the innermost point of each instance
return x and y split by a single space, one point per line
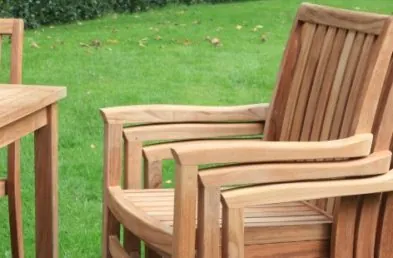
10 186
326 134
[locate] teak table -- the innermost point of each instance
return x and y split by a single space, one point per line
24 110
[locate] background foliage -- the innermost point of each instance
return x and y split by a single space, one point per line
42 12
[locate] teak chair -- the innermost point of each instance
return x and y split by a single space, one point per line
326 134
11 186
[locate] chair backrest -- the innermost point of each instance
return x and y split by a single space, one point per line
331 75
15 29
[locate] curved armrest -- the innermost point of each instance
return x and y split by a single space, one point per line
263 151
182 113
289 192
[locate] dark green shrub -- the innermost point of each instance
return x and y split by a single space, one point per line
42 12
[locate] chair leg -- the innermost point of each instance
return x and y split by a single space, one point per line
15 200
132 244
111 227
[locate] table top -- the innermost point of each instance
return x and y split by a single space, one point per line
17 101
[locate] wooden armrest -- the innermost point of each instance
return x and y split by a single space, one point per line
263 151
181 113
288 192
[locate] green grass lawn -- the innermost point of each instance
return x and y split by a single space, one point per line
162 56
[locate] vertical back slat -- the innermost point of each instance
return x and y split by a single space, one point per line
339 113
356 85
307 34
332 103
327 84
152 173
308 77
317 83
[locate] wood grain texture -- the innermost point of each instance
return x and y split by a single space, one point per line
112 177
368 215
307 80
232 232
375 163
336 87
344 228
304 249
6 26
191 131
374 80
46 165
356 85
15 200
339 112
184 234
237 152
143 226
285 192
16 130
306 36
132 180
316 87
208 238
16 51
116 249
384 247
13 180
17 101
358 21
327 84
179 113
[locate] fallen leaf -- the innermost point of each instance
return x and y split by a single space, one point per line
92 146
158 37
34 45
112 41
83 44
215 41
256 28
168 181
239 27
196 22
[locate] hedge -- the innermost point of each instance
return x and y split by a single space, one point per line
43 12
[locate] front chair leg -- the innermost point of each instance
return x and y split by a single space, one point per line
111 227
132 244
15 200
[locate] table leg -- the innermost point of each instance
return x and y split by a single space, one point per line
46 187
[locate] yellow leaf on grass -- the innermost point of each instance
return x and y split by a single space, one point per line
34 45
